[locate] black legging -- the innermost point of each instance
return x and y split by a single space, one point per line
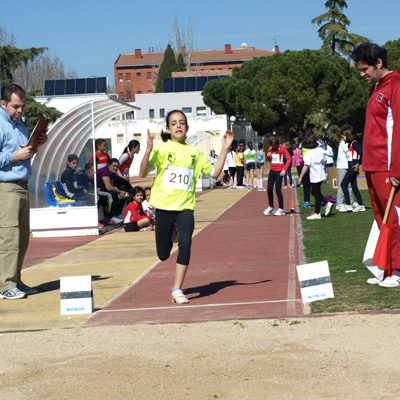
306 183
115 204
319 198
165 221
232 172
351 177
274 177
240 173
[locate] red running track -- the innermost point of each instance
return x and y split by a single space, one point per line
242 267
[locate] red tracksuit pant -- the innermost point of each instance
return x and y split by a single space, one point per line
379 187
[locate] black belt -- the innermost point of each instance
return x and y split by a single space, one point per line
17 182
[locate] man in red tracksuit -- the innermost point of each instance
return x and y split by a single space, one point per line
381 145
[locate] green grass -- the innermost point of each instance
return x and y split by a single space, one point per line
340 239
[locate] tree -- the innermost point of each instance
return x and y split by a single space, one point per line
291 90
393 54
180 63
184 41
6 38
35 111
167 66
32 76
333 31
12 58
215 96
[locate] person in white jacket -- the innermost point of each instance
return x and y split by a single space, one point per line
342 166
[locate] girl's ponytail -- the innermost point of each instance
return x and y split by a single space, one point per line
165 136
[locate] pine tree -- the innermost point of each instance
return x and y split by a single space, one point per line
181 63
167 66
12 58
333 31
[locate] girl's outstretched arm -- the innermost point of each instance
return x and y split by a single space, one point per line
144 165
227 140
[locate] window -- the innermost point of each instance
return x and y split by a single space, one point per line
149 76
121 95
187 111
138 74
120 77
129 95
128 77
120 138
162 112
139 92
151 113
128 115
201 111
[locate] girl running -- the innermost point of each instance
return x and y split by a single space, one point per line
134 218
276 153
260 156
314 161
173 192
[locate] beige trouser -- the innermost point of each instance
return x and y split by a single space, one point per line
14 232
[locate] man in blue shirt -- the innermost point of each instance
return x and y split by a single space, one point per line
15 170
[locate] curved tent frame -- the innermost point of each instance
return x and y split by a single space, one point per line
68 135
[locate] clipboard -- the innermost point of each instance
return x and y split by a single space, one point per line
40 128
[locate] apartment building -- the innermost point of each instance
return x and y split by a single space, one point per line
136 73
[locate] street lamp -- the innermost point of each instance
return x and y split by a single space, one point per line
232 119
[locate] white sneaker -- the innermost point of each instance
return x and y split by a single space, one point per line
239 187
359 208
374 281
390 281
340 207
314 216
115 220
328 208
13 294
354 204
261 190
178 297
280 211
269 211
346 208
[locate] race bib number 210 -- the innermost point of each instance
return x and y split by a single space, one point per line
178 178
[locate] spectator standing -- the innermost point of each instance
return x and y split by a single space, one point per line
230 158
250 165
314 162
276 154
15 171
381 146
342 166
354 154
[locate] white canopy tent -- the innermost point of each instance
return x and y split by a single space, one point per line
68 135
